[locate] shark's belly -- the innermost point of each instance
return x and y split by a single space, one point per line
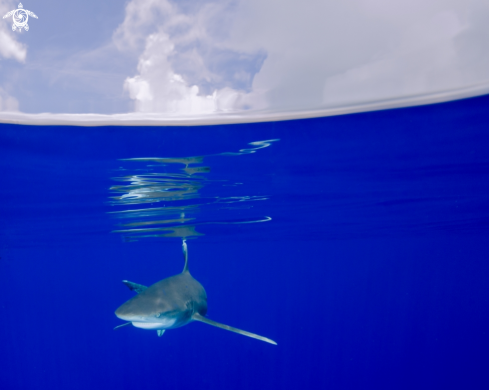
155 325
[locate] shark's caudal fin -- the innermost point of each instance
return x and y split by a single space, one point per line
139 288
198 317
185 256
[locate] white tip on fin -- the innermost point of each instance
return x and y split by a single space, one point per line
160 332
120 326
198 317
185 256
139 288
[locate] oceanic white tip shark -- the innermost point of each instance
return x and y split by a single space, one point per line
171 303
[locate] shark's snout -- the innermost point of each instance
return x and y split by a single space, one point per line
131 312
125 313
123 316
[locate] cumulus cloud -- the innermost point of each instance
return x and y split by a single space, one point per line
9 46
185 66
158 88
199 57
7 102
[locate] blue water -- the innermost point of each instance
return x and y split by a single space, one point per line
359 243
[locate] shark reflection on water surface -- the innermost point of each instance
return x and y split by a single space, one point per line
171 303
162 196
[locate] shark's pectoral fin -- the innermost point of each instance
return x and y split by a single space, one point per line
198 317
160 332
120 326
139 288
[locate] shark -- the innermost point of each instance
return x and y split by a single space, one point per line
171 303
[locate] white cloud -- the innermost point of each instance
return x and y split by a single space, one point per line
185 67
7 102
158 88
9 46
310 54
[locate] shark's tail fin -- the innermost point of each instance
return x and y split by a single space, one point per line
198 317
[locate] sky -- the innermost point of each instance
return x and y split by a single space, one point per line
168 60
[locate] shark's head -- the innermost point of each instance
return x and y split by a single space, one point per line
130 311
142 308
146 318
169 303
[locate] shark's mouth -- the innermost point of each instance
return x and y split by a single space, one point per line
151 325
154 325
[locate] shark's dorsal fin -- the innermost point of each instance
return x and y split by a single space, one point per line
198 317
185 256
139 288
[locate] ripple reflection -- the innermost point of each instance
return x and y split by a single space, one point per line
168 195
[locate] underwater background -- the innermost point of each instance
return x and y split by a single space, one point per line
358 243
